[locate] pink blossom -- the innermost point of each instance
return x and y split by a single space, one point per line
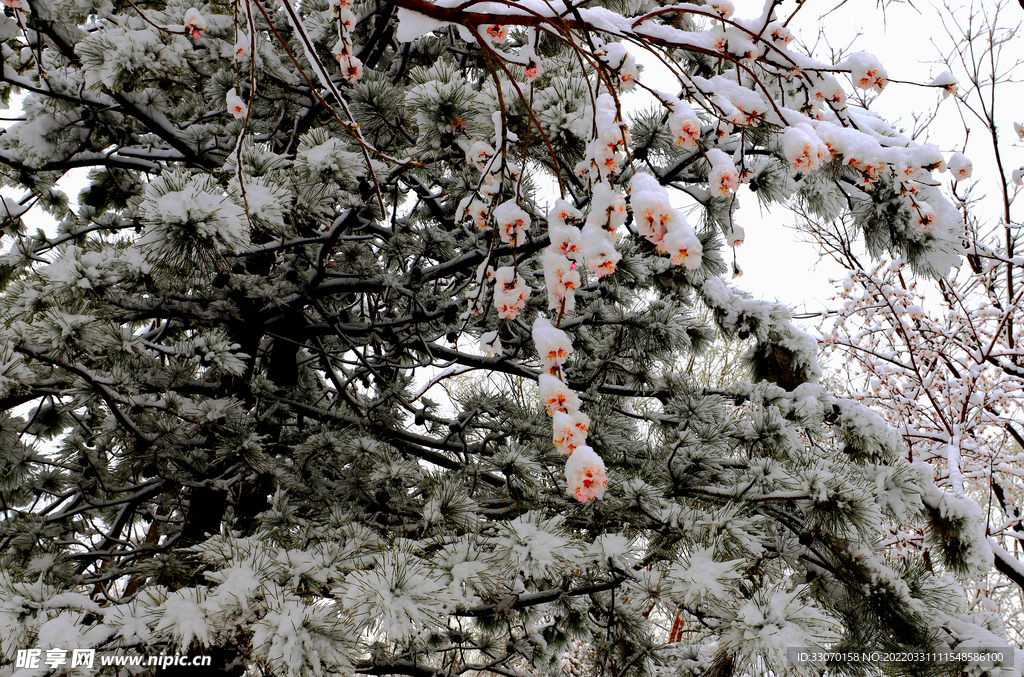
606 149
735 236
534 66
961 166
923 217
683 247
480 213
685 125
599 250
563 213
562 280
513 222
478 154
553 345
566 240
570 431
607 208
619 60
585 475
948 82
723 179
828 89
351 68
652 212
497 33
803 148
510 293
347 18
556 396
236 106
780 32
194 23
723 8
866 72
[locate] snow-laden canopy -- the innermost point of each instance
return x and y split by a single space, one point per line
365 349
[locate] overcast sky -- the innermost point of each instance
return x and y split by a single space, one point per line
907 41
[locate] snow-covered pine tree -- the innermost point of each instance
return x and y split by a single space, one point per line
320 377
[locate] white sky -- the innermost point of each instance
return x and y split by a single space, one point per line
906 41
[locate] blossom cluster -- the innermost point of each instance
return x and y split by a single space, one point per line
817 134
684 124
561 276
723 179
585 474
618 61
194 23
661 224
823 130
512 221
803 148
236 105
479 208
510 292
344 52
606 152
599 236
866 72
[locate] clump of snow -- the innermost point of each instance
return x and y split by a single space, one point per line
413 25
699 577
185 213
490 344
535 547
182 615
397 596
948 82
599 250
775 620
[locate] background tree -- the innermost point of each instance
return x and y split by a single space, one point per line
941 359
298 218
